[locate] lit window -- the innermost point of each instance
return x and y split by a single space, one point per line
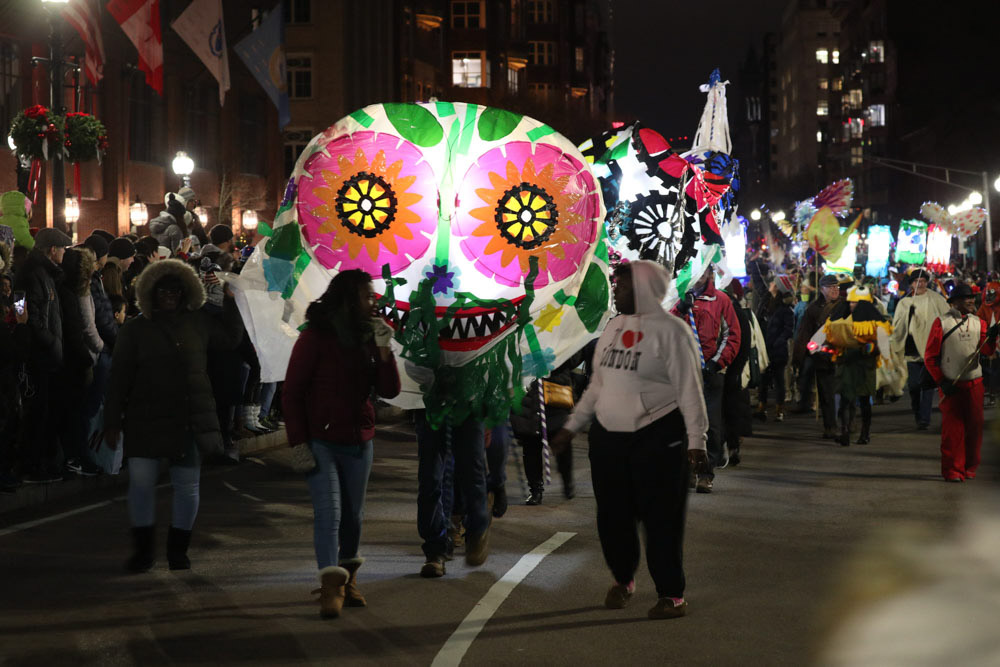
819 136
540 11
857 155
838 83
467 14
298 70
876 52
542 53
824 84
822 108
578 53
470 70
854 98
876 115
822 56
857 127
835 57
513 81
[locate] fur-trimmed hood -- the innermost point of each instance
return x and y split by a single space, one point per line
194 292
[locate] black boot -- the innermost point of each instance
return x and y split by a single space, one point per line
142 559
178 542
865 437
499 501
534 497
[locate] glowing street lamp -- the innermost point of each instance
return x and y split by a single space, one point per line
778 216
72 210
975 198
138 214
202 214
996 184
183 166
755 214
250 219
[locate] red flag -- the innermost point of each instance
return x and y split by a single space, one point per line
140 19
83 16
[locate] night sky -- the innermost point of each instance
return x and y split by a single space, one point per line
666 48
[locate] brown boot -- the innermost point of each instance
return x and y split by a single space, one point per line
331 595
353 596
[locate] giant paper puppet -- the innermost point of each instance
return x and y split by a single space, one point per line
482 229
666 206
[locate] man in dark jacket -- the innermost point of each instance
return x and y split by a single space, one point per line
819 364
777 333
736 397
37 277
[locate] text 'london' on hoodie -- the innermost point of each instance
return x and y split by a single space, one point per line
651 356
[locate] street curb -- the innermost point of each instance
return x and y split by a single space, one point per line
35 495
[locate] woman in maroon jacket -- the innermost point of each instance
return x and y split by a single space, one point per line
340 359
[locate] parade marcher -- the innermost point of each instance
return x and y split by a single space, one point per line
339 361
818 365
989 312
718 332
736 415
160 399
37 278
955 341
915 314
858 334
527 425
647 426
498 445
780 323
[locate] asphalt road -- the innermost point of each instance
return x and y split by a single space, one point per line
772 560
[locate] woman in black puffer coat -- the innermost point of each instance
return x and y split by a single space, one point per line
778 331
527 427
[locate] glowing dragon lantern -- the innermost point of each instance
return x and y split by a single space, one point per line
482 229
666 206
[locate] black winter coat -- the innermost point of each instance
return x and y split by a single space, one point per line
527 424
780 324
77 362
104 317
159 393
38 278
14 347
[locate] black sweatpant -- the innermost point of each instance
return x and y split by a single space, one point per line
642 477
534 465
826 381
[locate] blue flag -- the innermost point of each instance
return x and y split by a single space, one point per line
263 52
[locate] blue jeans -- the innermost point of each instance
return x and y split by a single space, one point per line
466 441
496 457
142 475
920 400
267 390
337 487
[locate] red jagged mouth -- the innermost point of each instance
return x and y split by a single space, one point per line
469 329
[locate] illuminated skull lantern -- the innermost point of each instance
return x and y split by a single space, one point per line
459 203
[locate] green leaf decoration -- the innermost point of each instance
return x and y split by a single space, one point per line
285 243
496 124
414 123
592 301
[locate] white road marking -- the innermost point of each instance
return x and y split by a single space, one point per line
247 495
38 522
230 487
458 644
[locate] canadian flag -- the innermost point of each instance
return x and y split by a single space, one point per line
140 19
84 17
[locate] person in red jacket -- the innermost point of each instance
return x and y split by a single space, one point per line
339 360
718 332
956 340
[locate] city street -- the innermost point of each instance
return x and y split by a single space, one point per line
769 558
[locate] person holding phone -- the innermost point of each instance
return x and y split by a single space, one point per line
14 343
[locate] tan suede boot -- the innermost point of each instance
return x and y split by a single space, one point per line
331 594
352 595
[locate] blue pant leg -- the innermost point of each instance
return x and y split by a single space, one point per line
470 473
186 484
324 489
431 522
496 457
354 470
142 474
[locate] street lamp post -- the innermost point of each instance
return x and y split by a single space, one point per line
56 72
183 166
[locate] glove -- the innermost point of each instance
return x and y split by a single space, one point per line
948 387
712 367
383 332
993 331
684 305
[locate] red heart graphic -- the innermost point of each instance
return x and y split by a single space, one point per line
630 338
